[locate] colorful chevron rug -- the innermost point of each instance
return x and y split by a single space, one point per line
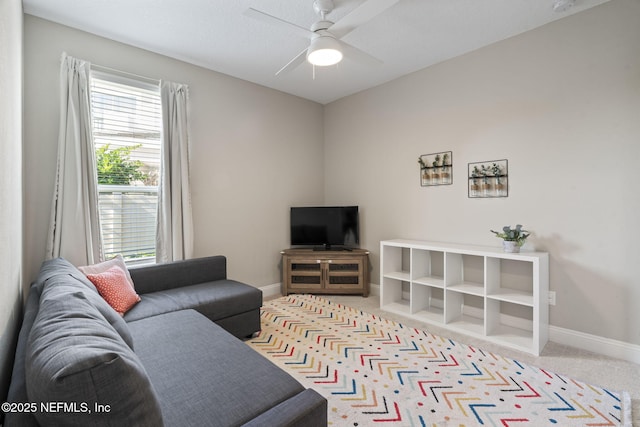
378 372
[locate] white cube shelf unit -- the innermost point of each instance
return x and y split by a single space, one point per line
480 291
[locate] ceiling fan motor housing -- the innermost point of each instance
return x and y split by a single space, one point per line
323 7
321 26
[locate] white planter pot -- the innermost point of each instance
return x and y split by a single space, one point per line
511 247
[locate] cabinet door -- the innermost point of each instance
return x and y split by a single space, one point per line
305 274
344 273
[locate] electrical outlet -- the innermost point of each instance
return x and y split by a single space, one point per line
552 297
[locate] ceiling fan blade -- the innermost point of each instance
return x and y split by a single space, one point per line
294 63
265 17
358 55
363 13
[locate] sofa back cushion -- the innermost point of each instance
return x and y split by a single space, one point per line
18 386
78 362
177 274
59 277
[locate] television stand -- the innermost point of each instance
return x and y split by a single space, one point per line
332 248
325 271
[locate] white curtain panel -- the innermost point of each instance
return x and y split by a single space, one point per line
175 224
74 231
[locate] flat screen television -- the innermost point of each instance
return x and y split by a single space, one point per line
325 227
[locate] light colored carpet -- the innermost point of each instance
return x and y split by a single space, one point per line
579 364
574 369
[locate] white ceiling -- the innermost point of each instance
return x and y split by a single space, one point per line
215 34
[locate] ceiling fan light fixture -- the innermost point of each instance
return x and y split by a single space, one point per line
324 51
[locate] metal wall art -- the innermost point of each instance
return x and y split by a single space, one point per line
489 179
436 169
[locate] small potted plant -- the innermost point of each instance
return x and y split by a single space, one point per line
446 175
475 174
497 173
436 165
424 171
486 186
512 238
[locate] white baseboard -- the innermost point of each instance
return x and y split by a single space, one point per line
374 289
271 290
593 343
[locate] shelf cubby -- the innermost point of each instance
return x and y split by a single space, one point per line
396 297
427 267
510 323
427 302
465 312
396 263
481 291
465 273
510 281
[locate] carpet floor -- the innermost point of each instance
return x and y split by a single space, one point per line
376 370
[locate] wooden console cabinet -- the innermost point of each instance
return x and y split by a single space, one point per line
325 272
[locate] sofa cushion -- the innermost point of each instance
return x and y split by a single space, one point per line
18 386
176 274
59 277
216 300
101 267
113 286
76 357
223 382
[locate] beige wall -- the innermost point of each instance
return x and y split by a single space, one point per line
11 24
562 104
255 151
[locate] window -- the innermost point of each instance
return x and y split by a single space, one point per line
126 131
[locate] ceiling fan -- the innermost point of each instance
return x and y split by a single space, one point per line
326 47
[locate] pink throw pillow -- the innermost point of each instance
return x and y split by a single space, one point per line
115 289
117 261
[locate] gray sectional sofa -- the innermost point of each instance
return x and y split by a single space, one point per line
174 359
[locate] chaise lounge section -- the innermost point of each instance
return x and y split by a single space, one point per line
174 359
200 284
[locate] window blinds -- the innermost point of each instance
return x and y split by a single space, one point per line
127 124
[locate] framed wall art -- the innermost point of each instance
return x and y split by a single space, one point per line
489 179
436 169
